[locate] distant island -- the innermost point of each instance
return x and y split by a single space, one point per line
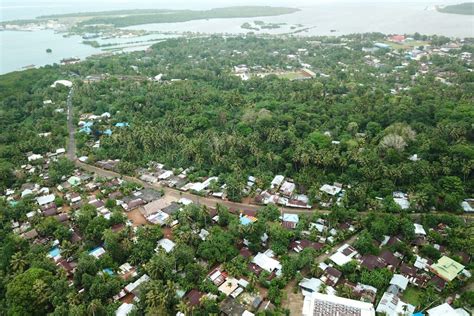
124 18
466 8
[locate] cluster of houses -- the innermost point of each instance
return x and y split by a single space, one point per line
421 55
87 120
302 72
283 192
82 188
419 274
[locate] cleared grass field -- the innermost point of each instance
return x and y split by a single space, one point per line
412 296
406 44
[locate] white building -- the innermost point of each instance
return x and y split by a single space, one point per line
391 305
330 189
268 264
45 199
166 244
277 181
124 309
419 230
445 310
321 304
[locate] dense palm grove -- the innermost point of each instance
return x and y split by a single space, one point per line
343 126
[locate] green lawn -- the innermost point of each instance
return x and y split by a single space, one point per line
406 44
412 296
291 75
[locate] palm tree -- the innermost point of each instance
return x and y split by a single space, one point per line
67 249
94 306
253 279
155 296
345 291
18 263
315 270
41 292
323 289
183 307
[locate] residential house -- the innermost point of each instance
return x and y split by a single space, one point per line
446 268
290 220
231 307
398 284
193 297
124 309
153 207
445 309
45 199
372 262
298 246
287 188
390 259
165 244
419 230
267 263
309 286
332 190
277 182
392 305
134 286
365 293
401 199
331 276
229 286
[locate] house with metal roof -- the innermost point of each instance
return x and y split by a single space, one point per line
446 268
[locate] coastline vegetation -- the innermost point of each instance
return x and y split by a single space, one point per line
124 18
466 8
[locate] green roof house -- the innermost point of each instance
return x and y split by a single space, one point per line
446 268
73 181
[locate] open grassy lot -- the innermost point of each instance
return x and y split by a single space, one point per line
406 44
412 295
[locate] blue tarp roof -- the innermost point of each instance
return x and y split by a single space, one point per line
108 271
244 220
291 218
54 252
107 132
85 130
121 124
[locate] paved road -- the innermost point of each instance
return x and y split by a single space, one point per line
212 202
71 147
207 201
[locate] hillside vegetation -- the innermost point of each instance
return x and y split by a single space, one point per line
466 8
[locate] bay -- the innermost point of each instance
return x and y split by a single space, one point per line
20 49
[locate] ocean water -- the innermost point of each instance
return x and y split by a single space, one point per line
20 49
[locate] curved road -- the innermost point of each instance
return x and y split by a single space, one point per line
207 201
